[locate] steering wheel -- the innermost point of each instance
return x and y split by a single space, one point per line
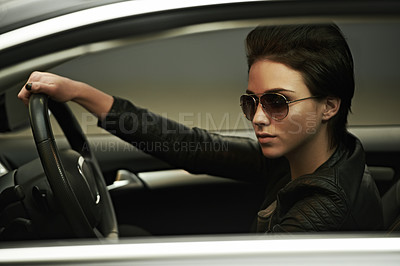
74 174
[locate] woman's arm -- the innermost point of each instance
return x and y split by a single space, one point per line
193 149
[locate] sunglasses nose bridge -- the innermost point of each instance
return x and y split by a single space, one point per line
261 116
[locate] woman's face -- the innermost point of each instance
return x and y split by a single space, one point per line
302 124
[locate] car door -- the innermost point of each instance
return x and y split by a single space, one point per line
190 68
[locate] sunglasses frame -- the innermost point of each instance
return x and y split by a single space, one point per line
257 100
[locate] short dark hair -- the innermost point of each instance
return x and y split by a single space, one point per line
322 56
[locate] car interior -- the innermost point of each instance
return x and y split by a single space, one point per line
194 76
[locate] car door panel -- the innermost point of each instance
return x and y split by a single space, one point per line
155 196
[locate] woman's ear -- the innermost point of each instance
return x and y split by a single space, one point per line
331 108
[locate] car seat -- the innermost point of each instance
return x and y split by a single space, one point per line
391 208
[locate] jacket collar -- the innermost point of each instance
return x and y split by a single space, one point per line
344 169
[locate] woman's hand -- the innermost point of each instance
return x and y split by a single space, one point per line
59 88
63 89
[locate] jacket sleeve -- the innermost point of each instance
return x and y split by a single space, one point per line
192 149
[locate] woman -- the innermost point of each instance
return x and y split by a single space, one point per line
298 97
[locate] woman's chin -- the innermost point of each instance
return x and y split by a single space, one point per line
271 152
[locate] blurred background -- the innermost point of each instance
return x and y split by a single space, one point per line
197 79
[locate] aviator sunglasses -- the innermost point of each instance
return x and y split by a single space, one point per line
274 104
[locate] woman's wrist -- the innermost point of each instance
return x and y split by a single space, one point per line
95 101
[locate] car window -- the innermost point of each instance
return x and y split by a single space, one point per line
197 79
374 47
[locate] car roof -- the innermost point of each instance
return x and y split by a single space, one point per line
15 14
28 20
19 13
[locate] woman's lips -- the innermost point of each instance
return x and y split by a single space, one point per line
264 137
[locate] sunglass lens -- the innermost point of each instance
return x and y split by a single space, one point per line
248 105
275 105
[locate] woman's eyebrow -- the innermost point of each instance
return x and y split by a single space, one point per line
280 90
272 90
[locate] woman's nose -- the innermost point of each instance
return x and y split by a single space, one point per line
260 117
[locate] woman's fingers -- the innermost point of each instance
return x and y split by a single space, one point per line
57 87
40 87
24 95
34 87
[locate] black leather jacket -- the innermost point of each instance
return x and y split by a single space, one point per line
339 196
